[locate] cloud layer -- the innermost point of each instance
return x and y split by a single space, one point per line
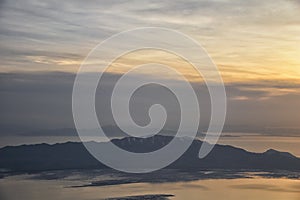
254 43
35 101
253 39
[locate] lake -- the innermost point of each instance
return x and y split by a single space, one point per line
24 187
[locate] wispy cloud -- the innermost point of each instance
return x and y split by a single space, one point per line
254 43
254 36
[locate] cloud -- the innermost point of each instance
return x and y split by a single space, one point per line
36 101
254 43
258 35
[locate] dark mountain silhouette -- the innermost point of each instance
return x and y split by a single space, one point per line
73 155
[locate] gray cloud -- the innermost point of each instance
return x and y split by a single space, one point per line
36 36
35 101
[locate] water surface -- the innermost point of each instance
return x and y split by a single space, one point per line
21 187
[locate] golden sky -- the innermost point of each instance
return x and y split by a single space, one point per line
248 40
255 44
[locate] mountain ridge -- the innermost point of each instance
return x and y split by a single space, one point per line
73 155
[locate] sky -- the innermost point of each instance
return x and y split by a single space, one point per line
255 45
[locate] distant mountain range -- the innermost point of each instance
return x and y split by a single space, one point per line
73 155
109 130
115 131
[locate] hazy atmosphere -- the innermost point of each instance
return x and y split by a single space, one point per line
50 147
254 44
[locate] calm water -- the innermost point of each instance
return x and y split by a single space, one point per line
19 187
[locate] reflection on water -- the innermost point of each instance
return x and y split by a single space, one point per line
20 187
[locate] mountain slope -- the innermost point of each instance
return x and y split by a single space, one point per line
72 155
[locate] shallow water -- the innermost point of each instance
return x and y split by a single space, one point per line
20 187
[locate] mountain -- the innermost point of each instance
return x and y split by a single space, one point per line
73 155
109 130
